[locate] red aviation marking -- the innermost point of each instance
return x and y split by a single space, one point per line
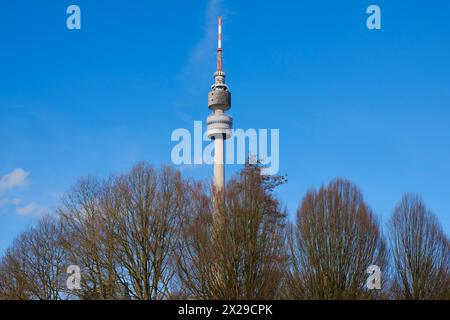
220 34
219 45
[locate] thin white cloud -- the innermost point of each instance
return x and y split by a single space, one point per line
11 201
32 209
17 178
200 63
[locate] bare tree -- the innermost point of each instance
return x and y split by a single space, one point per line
420 250
88 241
336 239
14 283
34 267
123 233
235 250
147 209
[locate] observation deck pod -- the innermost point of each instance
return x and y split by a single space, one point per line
219 125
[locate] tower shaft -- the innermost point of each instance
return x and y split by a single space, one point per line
219 163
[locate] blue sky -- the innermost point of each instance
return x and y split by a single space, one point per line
371 106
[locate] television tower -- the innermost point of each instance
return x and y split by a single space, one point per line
219 123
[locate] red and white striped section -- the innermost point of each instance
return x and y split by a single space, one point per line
219 46
219 43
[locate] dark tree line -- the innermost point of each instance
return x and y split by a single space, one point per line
152 234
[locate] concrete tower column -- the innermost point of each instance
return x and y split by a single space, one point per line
219 163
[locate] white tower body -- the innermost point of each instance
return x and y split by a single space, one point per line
219 123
